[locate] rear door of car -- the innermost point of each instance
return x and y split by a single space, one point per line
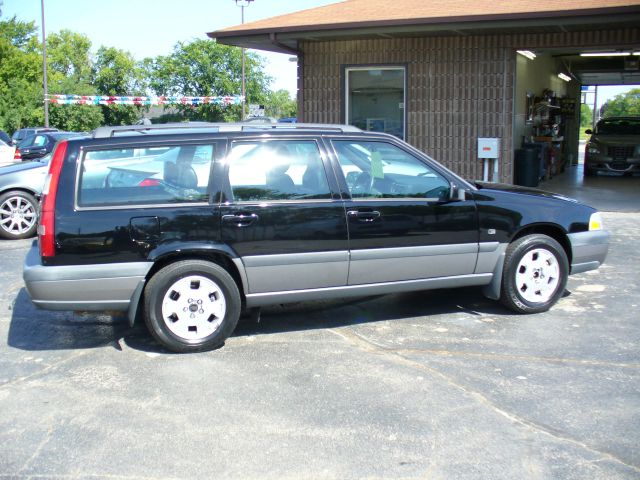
403 225
138 198
283 216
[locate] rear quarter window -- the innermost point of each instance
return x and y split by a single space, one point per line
145 176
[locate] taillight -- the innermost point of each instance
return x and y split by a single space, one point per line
149 182
17 155
46 228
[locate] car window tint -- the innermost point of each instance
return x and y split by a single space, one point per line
382 170
277 170
146 175
27 142
39 141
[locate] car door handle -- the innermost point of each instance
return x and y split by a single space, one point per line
241 219
364 216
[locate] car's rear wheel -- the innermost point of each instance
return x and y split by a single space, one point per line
18 215
534 275
192 305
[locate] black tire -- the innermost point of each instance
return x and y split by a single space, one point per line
534 275
588 173
18 215
194 292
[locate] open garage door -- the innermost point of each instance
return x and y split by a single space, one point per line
589 74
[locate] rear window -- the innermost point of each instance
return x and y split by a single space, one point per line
145 176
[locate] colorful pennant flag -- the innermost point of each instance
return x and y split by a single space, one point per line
221 100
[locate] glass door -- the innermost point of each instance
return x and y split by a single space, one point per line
375 99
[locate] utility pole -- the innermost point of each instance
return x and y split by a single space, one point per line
242 4
44 69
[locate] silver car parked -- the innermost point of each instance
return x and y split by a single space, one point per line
614 146
20 188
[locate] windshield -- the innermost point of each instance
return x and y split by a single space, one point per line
618 126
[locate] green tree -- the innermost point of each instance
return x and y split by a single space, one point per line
625 104
115 72
20 75
279 104
586 116
70 72
206 68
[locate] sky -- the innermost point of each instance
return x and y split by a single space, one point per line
606 92
148 28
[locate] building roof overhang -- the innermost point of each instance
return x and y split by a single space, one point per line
285 33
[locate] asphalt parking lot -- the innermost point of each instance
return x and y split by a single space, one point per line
437 385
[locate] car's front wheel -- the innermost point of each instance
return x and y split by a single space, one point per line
192 305
535 274
18 215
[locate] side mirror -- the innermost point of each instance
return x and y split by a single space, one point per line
589 131
457 194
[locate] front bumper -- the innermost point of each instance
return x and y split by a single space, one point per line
83 287
589 250
603 163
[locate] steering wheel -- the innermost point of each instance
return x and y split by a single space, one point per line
364 183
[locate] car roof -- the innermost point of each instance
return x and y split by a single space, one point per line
63 134
204 127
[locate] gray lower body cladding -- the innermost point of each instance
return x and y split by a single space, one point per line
118 286
589 250
82 287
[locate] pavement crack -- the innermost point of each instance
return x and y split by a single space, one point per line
43 371
398 357
38 449
493 356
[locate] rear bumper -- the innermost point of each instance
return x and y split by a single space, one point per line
589 250
82 287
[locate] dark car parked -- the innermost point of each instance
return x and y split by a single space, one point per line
40 144
23 133
4 136
196 224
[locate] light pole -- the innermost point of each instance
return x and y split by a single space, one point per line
242 4
44 69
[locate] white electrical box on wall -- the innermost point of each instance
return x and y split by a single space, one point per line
488 147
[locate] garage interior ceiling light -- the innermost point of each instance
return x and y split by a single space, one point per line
527 53
565 77
608 54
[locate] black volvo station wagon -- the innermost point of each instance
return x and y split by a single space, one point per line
187 226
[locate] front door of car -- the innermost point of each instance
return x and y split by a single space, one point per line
281 218
403 225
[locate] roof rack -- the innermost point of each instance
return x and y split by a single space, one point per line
108 132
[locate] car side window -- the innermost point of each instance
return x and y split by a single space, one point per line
145 175
378 169
277 170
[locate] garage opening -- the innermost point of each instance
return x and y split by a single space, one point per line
560 93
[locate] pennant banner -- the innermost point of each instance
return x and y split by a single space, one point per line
222 100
